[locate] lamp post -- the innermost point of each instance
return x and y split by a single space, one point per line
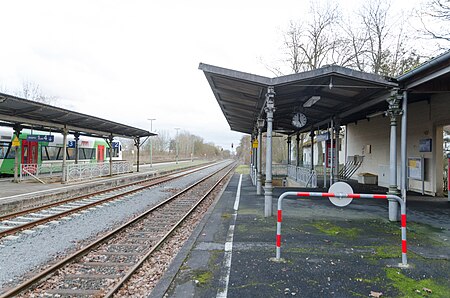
151 144
176 144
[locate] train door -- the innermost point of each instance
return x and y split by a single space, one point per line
29 152
100 153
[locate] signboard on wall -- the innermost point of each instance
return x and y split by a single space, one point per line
425 145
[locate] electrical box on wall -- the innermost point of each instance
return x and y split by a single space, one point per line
368 149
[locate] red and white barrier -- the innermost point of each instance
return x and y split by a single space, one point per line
343 196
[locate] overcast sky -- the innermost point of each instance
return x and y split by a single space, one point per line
128 61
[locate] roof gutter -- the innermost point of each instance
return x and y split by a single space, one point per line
424 67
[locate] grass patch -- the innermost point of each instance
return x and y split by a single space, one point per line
333 230
243 169
409 287
203 277
226 215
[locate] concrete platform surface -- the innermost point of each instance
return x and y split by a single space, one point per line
328 251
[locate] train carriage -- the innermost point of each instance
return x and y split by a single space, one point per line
49 150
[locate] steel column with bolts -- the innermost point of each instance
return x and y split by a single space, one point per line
269 109
342 195
393 112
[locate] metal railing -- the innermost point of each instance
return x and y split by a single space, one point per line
77 172
302 175
36 171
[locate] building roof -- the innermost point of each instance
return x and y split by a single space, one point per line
31 114
345 94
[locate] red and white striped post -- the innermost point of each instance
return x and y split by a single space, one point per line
342 195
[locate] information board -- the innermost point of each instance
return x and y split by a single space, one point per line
416 168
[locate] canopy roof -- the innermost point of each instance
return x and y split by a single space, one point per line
31 114
345 94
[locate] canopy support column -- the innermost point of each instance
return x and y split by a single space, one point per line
312 149
289 150
110 139
393 112
77 138
64 162
337 129
298 148
259 152
17 129
137 141
403 178
269 109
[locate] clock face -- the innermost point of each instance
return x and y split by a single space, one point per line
299 120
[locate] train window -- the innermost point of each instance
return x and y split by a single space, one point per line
51 152
70 153
115 152
87 153
3 149
11 152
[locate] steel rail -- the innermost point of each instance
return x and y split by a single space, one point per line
83 251
62 202
152 183
164 238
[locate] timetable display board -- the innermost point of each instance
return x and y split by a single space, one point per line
416 168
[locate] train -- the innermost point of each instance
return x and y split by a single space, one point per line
39 147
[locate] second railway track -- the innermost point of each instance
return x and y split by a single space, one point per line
26 219
102 267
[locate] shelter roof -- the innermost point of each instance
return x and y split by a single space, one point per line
428 78
31 114
345 94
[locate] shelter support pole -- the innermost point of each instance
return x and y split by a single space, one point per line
332 153
17 129
111 137
259 152
64 162
403 147
138 145
337 128
393 112
77 138
269 109
289 150
312 149
298 148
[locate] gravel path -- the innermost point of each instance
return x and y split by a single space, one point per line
34 250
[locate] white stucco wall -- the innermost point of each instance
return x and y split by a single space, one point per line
425 121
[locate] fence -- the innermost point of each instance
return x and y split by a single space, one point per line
77 172
302 175
37 171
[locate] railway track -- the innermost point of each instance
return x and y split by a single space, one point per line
101 268
27 219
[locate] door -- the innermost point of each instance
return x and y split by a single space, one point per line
29 156
100 153
29 152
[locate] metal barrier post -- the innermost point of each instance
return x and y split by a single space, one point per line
342 195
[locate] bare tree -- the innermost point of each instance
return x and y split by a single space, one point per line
32 91
439 12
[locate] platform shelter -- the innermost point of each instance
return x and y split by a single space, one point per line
372 110
20 114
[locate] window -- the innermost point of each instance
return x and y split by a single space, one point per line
4 149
